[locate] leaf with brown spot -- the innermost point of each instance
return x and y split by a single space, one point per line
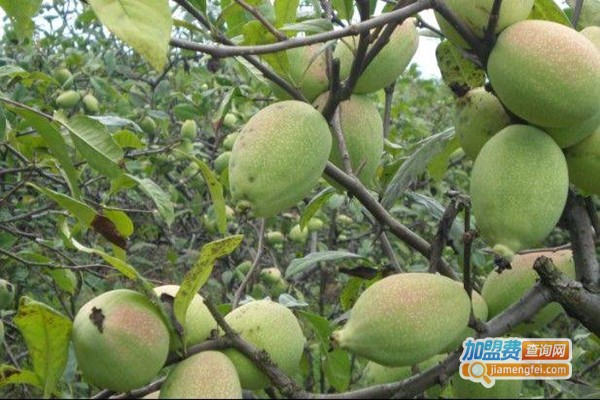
108 230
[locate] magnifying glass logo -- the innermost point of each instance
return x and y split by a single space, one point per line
478 370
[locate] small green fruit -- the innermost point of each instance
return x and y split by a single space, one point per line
279 157
377 374
7 295
519 186
502 389
502 290
571 135
120 340
189 129
387 66
314 225
199 322
405 319
479 116
91 103
308 72
592 33
476 14
206 375
297 234
273 280
344 220
230 140
68 99
583 160
63 75
148 125
559 73
480 309
270 327
222 162
362 128
229 121
275 237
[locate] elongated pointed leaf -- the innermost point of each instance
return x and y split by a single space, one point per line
56 143
200 273
300 264
550 11
84 213
145 25
10 375
46 333
158 196
97 146
315 204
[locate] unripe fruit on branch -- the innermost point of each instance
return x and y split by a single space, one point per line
377 374
230 140
148 125
362 128
120 339
270 327
91 103
229 120
275 237
189 129
7 294
68 99
389 63
480 310
279 157
519 186
314 225
222 162
405 319
479 116
583 160
501 290
62 75
502 389
199 322
476 14
546 73
298 234
206 375
572 135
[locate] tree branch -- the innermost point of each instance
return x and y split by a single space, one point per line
259 251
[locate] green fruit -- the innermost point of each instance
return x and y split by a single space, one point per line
377 374
343 220
279 157
148 125
571 135
502 290
1 334
502 389
558 83
199 322
307 72
362 128
479 116
229 140
405 319
583 160
229 121
273 280
222 162
120 340
519 186
68 99
592 33
270 327
91 103
7 295
476 14
244 267
480 309
63 75
206 375
275 237
387 66
189 129
314 225
297 234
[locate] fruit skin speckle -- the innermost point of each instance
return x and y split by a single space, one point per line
279 157
583 160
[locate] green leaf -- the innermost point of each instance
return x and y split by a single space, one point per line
550 11
199 5
2 124
285 11
319 324
255 33
590 13
344 8
97 146
122 222
123 267
315 204
12 70
10 375
200 272
234 17
127 139
84 213
439 164
21 12
317 25
56 143
47 334
415 164
158 196
436 210
350 293
337 369
458 73
65 279
145 25
300 264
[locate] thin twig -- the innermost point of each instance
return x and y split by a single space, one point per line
387 112
259 251
252 10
